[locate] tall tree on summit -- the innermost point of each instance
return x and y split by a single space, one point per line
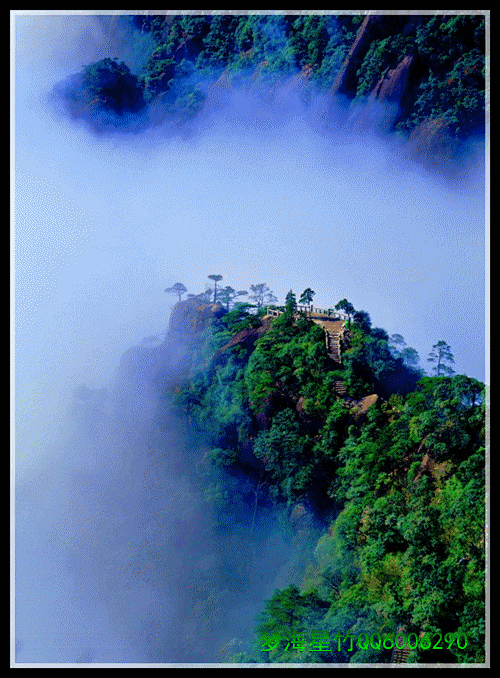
216 279
396 345
441 354
178 288
347 307
290 303
262 294
363 320
229 294
307 296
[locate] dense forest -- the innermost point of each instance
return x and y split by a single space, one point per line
391 462
420 77
387 459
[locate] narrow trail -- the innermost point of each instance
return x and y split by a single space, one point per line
334 330
333 324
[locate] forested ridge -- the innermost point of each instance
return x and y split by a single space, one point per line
387 461
427 72
261 482
393 467
375 471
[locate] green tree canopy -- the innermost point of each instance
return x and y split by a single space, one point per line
396 344
307 296
446 72
178 288
362 318
440 355
347 307
228 294
397 481
111 86
410 357
290 303
216 278
262 294
288 614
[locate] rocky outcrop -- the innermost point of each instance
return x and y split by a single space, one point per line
362 407
354 57
437 470
218 94
384 102
292 88
246 338
308 424
189 317
392 84
433 142
143 371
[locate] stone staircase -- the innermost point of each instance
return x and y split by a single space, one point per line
332 323
332 339
334 333
400 656
338 387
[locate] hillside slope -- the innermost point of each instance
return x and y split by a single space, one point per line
397 482
419 76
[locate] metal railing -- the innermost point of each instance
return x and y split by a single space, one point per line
327 313
333 341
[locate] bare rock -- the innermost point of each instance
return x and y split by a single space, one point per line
363 406
392 84
189 317
354 57
245 338
433 142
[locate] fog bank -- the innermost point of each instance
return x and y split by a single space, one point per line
117 556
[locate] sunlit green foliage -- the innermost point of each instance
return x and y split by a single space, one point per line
218 45
286 363
308 40
284 629
403 480
452 49
185 54
382 54
262 45
240 319
284 452
158 73
342 32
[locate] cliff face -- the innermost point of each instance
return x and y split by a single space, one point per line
386 99
392 84
245 338
189 317
358 49
432 142
144 371
423 69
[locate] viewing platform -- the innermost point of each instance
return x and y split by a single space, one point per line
312 312
329 319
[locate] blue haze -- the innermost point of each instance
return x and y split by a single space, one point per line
103 224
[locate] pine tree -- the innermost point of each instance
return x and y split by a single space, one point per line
178 288
216 279
441 354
